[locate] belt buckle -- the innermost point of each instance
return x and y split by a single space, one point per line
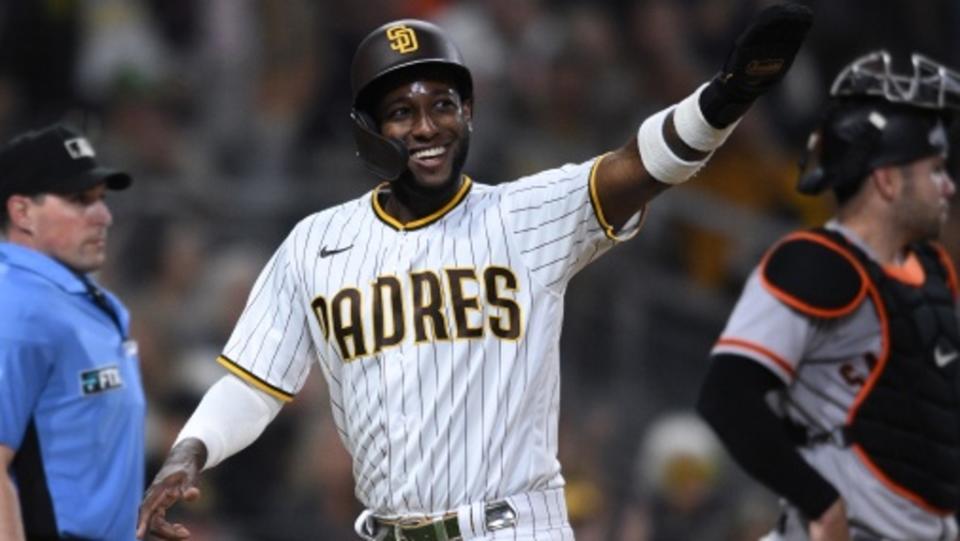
438 527
500 515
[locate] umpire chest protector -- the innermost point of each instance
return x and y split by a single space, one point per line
904 423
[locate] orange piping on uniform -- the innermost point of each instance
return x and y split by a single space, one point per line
948 264
806 308
778 360
905 274
865 391
909 276
895 488
884 356
910 272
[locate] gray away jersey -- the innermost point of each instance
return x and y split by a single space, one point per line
438 338
824 364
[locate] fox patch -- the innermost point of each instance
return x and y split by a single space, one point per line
100 380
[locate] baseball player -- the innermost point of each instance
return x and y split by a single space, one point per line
835 381
432 304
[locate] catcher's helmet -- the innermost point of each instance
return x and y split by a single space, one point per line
876 118
391 50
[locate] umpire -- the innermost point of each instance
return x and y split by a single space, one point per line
71 402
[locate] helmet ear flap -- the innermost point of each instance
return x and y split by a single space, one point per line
384 157
838 154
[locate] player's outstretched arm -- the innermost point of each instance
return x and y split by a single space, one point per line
231 416
673 144
175 481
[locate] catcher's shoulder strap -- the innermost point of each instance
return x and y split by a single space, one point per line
815 272
946 261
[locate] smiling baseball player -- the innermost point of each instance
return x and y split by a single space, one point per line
433 304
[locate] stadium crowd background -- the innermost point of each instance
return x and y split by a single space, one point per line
232 116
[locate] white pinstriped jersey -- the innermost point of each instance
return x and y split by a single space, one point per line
824 364
438 338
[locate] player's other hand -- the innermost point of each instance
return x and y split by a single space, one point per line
175 481
759 59
831 525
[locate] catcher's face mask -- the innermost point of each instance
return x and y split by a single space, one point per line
878 118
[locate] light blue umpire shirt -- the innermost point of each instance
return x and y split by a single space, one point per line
71 401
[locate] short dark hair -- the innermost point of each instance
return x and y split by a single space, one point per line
845 192
4 218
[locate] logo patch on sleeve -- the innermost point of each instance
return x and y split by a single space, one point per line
100 380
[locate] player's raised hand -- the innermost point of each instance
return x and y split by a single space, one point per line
759 59
175 481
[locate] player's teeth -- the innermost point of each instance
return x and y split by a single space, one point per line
428 153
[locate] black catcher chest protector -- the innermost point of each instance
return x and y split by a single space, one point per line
905 421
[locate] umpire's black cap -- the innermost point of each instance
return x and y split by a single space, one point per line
54 159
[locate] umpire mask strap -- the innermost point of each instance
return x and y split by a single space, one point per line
384 157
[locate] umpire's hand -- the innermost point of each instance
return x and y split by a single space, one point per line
175 481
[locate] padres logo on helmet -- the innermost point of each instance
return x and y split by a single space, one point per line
418 43
402 39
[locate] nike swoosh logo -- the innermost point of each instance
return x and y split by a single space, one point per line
327 253
943 358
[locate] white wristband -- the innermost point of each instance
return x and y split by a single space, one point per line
693 129
657 157
230 417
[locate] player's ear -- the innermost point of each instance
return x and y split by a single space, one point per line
886 182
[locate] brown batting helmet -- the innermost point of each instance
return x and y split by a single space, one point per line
392 49
404 44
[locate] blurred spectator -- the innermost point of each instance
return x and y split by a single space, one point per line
38 59
680 474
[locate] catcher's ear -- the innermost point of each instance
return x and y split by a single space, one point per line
886 182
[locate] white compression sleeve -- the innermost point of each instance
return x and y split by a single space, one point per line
662 162
230 417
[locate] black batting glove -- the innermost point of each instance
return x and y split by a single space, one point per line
759 59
